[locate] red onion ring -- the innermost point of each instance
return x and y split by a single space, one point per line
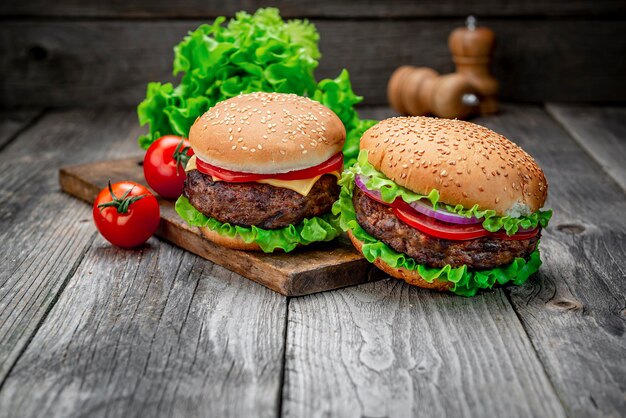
374 194
442 214
419 206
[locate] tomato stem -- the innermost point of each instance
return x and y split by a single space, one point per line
180 155
121 204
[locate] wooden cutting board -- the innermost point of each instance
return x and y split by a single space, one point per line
311 269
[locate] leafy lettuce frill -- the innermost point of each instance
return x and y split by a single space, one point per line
465 282
258 52
323 228
389 190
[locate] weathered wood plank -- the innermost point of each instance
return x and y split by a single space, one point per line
574 311
321 8
152 332
70 55
44 233
388 349
601 131
12 122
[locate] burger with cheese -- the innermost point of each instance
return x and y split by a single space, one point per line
264 174
444 204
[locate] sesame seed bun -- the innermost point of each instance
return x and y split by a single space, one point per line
235 243
267 133
467 163
410 276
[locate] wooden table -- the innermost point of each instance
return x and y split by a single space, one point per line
91 330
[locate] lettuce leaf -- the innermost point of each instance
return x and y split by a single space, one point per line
258 52
323 228
389 190
337 95
465 282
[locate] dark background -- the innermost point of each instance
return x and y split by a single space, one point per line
94 52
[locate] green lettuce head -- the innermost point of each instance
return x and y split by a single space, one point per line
463 281
250 53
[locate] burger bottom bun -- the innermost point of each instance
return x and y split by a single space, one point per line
236 243
410 276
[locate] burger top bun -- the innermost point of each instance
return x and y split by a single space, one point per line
267 133
468 164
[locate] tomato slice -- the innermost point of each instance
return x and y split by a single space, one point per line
444 230
440 229
334 163
454 232
518 236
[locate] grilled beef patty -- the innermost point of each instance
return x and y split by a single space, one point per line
482 253
262 205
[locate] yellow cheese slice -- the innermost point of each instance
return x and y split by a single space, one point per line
302 186
191 164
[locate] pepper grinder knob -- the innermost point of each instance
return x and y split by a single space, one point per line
472 47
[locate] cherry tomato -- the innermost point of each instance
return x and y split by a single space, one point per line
334 163
455 232
164 165
126 214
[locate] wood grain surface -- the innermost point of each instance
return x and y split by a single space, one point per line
601 131
14 122
152 332
44 234
321 8
56 62
315 268
91 330
389 349
574 312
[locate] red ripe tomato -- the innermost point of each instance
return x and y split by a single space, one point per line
126 214
334 163
164 165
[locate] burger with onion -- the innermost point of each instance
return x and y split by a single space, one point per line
444 204
264 174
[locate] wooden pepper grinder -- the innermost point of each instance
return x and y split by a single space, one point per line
472 47
419 91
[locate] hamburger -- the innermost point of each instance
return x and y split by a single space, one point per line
264 172
444 204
